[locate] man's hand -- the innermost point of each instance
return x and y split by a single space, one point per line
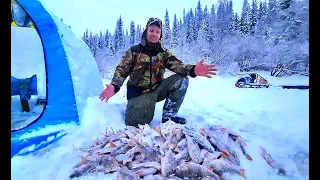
205 70
107 93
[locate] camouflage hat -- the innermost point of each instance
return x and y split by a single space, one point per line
154 21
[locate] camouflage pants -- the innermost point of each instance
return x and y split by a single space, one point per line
140 110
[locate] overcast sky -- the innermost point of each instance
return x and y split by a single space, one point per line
101 15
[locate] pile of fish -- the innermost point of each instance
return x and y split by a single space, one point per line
168 151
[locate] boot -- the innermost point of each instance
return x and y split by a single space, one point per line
176 119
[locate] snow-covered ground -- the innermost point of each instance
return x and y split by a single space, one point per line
275 118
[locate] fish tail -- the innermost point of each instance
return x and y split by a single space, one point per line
242 173
157 129
262 149
269 162
225 153
139 173
112 144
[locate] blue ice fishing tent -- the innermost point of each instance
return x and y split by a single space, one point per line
72 76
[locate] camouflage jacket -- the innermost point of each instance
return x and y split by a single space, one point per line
146 73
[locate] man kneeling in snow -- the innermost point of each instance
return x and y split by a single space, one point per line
145 63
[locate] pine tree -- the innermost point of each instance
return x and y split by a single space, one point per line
244 20
190 23
230 16
166 30
285 4
221 21
111 45
198 20
101 41
236 22
91 41
132 33
106 39
253 17
175 32
138 34
119 43
205 24
261 26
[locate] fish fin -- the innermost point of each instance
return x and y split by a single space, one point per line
112 144
269 162
171 145
132 142
157 129
203 131
242 173
223 129
262 149
139 172
249 157
225 153
210 169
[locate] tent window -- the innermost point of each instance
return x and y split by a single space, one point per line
28 77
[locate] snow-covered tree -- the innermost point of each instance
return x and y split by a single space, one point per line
252 16
166 31
244 20
119 41
132 33
190 24
138 34
175 32
198 20
100 41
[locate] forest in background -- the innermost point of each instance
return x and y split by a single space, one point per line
263 35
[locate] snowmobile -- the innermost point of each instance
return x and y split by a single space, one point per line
251 80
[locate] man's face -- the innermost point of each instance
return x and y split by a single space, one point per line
153 33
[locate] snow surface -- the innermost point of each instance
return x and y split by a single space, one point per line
275 118
21 119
